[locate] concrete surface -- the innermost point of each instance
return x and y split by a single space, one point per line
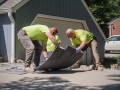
67 79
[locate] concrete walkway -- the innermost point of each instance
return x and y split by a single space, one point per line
67 79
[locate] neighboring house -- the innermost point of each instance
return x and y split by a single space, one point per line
63 14
114 27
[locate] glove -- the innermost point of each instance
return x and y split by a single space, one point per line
46 58
61 47
78 50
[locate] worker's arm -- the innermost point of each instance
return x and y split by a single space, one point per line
81 46
52 38
44 50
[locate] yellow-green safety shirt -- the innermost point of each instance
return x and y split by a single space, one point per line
80 36
50 46
37 32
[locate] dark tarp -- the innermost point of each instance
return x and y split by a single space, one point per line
61 59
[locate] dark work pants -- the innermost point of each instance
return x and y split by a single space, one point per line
32 47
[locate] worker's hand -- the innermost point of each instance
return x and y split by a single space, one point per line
78 50
46 58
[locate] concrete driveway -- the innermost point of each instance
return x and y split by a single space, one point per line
67 79
113 54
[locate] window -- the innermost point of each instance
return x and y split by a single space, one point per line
111 39
118 38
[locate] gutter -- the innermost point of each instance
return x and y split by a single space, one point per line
12 37
5 10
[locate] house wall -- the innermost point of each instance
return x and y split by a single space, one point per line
116 28
62 8
5 37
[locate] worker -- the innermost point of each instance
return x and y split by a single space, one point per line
83 39
29 37
51 47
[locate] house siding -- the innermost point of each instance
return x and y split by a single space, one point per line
73 9
5 37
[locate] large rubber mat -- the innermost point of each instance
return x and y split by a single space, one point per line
61 59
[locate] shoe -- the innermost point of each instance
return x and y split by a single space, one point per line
33 66
98 67
75 66
28 69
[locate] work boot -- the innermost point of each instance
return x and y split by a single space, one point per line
33 66
28 69
74 66
98 67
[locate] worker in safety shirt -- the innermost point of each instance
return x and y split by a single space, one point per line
83 39
29 37
51 47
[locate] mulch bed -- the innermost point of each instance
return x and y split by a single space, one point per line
111 63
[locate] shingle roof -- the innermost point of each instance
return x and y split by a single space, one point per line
113 21
9 4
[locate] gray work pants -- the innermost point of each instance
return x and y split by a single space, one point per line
32 47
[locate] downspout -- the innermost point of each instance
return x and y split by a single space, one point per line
12 37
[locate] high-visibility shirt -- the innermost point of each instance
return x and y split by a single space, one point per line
50 46
37 32
80 36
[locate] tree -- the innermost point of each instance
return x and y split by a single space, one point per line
104 10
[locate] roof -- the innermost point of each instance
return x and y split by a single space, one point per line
9 4
113 21
12 4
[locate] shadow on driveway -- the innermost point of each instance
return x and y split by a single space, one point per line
52 83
